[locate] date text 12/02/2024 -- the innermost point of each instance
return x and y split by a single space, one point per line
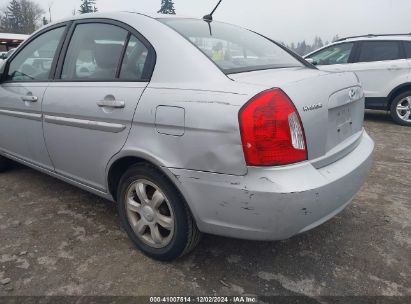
204 299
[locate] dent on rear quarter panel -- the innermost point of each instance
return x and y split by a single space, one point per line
211 139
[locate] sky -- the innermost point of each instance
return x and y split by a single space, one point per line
282 20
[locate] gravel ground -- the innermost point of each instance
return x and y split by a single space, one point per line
58 240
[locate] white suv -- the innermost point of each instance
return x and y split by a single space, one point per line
383 64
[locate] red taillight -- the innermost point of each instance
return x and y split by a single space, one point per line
271 130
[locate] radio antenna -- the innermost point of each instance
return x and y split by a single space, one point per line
209 18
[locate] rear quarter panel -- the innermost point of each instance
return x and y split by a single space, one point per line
203 136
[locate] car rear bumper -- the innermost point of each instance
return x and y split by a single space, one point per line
275 203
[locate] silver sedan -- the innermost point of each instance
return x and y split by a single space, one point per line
190 125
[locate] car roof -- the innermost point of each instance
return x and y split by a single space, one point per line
116 15
405 37
371 37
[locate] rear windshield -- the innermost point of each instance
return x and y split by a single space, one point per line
233 48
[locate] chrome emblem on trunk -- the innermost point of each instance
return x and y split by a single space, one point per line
352 93
313 107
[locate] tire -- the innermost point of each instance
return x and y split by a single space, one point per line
162 227
401 109
4 164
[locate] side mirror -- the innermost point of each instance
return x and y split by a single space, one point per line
312 61
3 56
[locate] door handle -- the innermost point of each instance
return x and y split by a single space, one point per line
117 104
29 98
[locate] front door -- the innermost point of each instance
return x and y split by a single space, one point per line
25 80
89 110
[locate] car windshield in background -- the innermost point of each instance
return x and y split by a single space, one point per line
233 48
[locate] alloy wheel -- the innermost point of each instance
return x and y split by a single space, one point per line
150 214
404 109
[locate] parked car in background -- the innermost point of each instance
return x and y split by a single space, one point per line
383 64
5 55
8 43
10 40
166 117
2 58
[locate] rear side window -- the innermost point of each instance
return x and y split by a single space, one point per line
407 49
94 52
379 51
134 60
232 48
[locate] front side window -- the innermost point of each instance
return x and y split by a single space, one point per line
34 62
335 54
232 48
94 52
379 51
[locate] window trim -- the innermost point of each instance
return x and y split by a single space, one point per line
123 53
149 65
26 43
360 45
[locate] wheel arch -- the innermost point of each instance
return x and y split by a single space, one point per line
122 161
397 91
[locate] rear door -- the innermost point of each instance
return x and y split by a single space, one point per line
89 108
26 78
381 66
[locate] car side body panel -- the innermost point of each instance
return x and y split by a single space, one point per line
82 136
210 121
21 132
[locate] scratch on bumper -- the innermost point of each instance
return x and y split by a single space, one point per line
275 203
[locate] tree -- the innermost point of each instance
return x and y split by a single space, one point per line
318 43
303 48
335 38
88 6
11 18
31 14
167 7
21 17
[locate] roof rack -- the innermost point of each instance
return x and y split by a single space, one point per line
372 35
